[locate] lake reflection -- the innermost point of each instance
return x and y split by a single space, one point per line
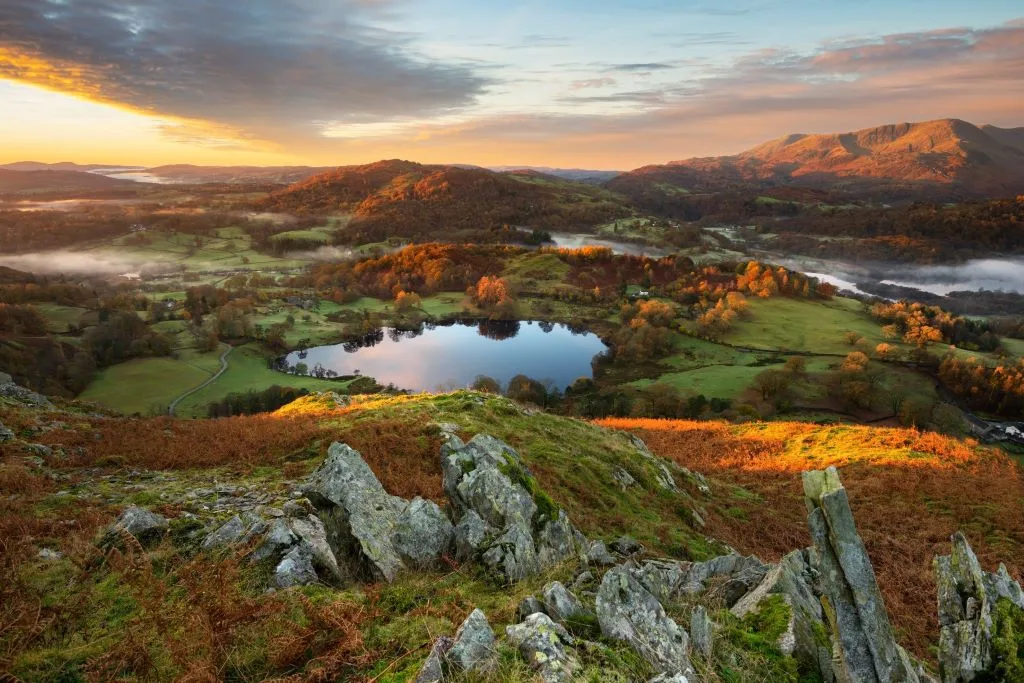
452 356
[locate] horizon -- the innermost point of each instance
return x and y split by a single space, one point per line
614 88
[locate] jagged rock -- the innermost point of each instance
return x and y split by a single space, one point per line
486 482
40 450
8 389
598 554
278 540
542 643
864 645
473 649
470 534
146 526
285 534
6 434
662 473
433 669
628 612
229 533
669 678
627 546
668 579
805 637
358 514
583 579
295 508
313 535
623 478
702 631
560 604
527 606
556 541
513 554
967 597
422 534
296 568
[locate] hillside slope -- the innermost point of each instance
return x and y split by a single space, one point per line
945 156
24 182
403 198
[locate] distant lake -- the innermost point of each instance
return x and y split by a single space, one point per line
450 356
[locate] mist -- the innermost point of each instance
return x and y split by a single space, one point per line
83 263
1005 275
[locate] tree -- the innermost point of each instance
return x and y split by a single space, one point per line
486 384
887 352
771 383
406 301
796 365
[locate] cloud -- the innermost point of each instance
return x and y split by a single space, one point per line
643 67
587 83
260 68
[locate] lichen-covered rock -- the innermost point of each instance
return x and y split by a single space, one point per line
628 612
501 516
662 473
296 568
669 579
6 434
313 535
146 526
513 554
864 643
623 478
422 534
806 636
278 540
433 669
229 533
470 534
15 392
358 514
598 555
473 649
542 643
967 600
627 546
702 631
527 606
560 604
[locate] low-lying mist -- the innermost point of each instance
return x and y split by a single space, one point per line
83 263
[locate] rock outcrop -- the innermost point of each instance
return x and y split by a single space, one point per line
19 394
146 526
543 644
967 600
629 612
474 646
358 514
561 605
422 534
502 517
864 647
670 579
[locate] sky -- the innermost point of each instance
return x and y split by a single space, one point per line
600 84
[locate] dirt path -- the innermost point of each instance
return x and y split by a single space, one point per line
223 367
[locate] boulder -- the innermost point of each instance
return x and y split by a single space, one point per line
967 599
542 643
556 540
513 554
296 568
527 606
6 435
10 390
284 534
702 631
146 526
433 669
473 649
560 604
662 473
627 546
628 612
229 533
623 478
470 534
864 644
669 579
277 541
422 534
598 555
358 514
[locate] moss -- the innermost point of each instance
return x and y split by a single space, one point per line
1007 644
753 644
186 533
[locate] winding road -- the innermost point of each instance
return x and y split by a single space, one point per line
223 367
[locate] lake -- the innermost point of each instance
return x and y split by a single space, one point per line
452 356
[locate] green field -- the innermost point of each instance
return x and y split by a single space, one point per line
1014 346
59 317
247 371
806 326
148 385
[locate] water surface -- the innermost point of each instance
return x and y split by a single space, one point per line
452 356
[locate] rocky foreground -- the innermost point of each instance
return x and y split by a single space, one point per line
601 609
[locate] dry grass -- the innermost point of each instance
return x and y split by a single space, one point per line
909 492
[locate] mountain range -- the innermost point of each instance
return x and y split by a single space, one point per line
942 159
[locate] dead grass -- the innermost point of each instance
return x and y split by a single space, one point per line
909 492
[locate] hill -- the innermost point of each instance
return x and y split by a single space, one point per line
189 173
946 157
24 182
206 510
56 166
406 199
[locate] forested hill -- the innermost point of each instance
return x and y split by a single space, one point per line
405 198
